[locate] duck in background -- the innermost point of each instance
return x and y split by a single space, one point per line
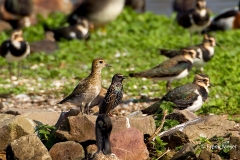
77 31
138 5
98 13
226 20
17 12
15 49
205 50
195 20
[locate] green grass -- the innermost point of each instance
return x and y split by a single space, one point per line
130 45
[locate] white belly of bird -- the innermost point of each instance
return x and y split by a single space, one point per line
11 58
197 104
227 23
181 75
211 51
109 13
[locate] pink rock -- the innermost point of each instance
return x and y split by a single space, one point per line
128 144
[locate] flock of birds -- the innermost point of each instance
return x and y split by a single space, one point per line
91 14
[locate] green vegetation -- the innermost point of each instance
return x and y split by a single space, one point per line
218 145
44 132
130 45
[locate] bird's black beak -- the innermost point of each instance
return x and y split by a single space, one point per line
217 45
125 77
108 65
211 85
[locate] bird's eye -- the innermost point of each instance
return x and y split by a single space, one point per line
100 61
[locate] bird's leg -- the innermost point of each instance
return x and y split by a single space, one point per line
201 69
169 88
80 106
18 71
10 70
87 108
191 39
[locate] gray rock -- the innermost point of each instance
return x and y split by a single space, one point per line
4 117
187 153
145 124
206 155
28 147
208 127
3 155
78 128
39 116
67 150
175 139
90 150
235 144
101 156
71 130
128 144
14 128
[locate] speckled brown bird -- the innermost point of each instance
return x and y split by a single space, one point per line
114 94
174 68
189 96
88 89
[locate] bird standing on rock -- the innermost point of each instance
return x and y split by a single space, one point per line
103 130
114 94
15 49
175 68
88 89
189 96
205 51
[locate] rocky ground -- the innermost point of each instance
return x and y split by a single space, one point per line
49 102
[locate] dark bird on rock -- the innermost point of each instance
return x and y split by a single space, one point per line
88 89
114 95
15 49
98 13
78 31
189 96
195 20
205 51
103 130
174 68
226 20
17 12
